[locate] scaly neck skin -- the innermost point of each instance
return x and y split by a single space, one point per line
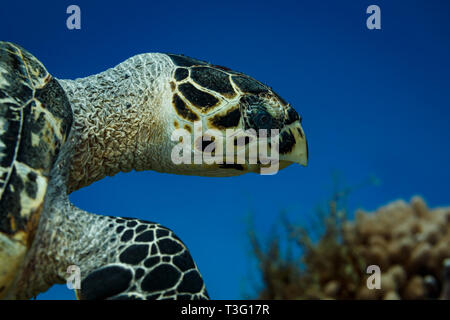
66 236
120 117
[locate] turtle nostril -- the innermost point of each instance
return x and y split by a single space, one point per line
262 120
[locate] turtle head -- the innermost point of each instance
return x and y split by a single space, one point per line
232 123
270 113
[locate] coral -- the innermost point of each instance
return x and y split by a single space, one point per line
409 242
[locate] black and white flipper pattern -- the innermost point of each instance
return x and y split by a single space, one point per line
151 263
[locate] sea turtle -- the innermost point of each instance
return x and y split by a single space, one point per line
57 136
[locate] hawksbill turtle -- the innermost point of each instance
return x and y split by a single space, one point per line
57 136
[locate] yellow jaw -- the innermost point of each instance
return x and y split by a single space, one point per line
298 152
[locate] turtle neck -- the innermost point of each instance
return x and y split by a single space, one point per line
119 119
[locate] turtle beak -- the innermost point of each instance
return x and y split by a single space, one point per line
293 146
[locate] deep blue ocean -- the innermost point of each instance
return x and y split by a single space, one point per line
373 103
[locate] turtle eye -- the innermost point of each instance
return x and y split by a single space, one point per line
262 120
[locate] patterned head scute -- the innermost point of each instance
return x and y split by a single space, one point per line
214 80
181 74
226 99
183 110
230 119
249 85
199 99
202 89
207 89
184 61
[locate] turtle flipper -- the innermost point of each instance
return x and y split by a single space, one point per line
151 263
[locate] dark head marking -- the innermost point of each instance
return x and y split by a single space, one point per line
249 85
181 74
229 120
213 79
200 99
187 128
287 142
223 68
291 116
183 110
